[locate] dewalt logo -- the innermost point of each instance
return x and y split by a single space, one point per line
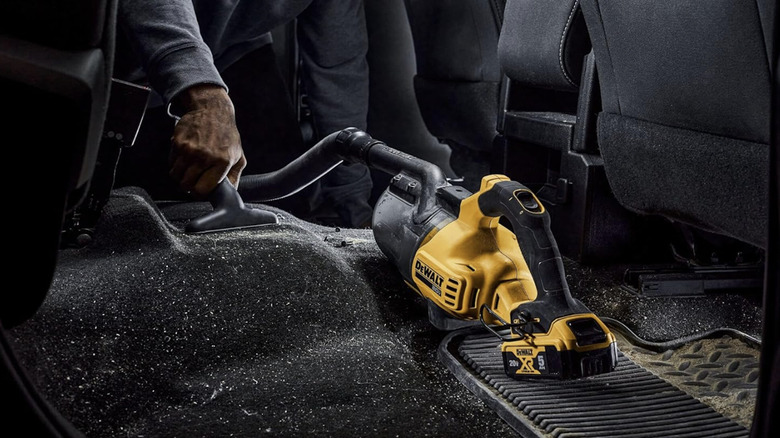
428 276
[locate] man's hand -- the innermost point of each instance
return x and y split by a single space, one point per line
206 145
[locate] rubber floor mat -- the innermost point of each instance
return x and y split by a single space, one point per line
698 387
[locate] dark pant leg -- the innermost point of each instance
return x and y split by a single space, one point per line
346 190
272 137
266 118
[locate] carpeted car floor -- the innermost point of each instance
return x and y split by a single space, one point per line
291 329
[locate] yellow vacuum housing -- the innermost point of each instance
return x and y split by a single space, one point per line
507 275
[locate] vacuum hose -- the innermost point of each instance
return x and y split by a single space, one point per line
352 145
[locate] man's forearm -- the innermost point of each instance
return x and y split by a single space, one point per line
165 36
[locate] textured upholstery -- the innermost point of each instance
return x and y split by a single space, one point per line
686 100
543 43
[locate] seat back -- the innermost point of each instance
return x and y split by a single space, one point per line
544 43
686 91
56 62
55 72
541 49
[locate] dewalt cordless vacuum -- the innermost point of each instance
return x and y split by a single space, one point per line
453 248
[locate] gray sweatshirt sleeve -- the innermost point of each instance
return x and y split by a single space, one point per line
164 35
333 41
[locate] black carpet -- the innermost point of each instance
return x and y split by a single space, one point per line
288 329
291 329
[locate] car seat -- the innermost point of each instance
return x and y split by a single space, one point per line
55 77
684 129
